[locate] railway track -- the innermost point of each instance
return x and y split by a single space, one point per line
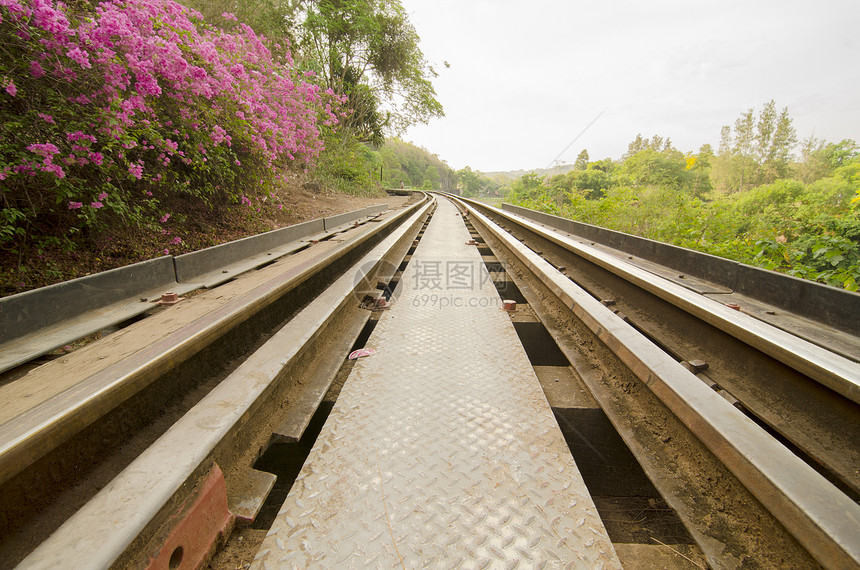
708 427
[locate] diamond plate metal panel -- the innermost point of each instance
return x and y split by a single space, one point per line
441 450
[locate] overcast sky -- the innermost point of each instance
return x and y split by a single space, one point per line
527 76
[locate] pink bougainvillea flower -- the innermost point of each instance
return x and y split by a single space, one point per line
143 70
56 169
36 69
136 170
218 135
81 57
46 150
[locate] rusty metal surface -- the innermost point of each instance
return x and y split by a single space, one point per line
442 449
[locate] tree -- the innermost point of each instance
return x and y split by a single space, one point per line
700 167
581 160
813 164
411 165
652 168
592 183
431 179
743 144
775 137
725 141
468 182
636 145
273 19
655 143
606 165
365 50
841 153
368 51
528 186
759 150
473 183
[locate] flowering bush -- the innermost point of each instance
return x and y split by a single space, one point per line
112 110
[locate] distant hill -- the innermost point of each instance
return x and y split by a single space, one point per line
413 166
515 174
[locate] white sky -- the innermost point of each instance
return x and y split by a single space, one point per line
527 76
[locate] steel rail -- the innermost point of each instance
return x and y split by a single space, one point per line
101 532
38 321
822 518
31 435
801 409
827 311
832 370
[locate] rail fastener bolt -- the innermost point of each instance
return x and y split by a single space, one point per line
509 305
168 299
734 306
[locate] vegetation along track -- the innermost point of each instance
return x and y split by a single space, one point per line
748 432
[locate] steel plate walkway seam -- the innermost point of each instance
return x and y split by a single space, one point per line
441 449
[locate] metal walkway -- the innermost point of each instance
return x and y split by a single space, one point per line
441 449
